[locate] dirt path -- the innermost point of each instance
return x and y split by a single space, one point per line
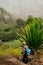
10 61
14 61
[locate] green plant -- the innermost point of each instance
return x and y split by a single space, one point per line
33 36
32 19
11 48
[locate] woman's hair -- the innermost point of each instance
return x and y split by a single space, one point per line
24 43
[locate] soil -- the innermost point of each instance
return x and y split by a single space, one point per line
15 61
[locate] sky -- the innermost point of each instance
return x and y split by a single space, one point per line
23 8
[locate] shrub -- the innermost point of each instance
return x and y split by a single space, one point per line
20 23
10 52
33 36
33 19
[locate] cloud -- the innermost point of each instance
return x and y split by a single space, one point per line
23 7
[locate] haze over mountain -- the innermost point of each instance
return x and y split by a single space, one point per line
5 17
23 8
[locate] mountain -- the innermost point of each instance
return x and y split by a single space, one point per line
5 17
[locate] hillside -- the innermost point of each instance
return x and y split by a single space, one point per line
7 23
5 17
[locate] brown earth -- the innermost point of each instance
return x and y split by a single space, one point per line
14 61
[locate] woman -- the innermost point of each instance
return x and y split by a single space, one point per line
26 52
25 46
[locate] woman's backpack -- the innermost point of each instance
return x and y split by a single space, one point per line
28 51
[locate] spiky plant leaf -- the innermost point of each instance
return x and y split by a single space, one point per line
33 36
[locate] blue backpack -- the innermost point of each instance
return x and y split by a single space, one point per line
28 51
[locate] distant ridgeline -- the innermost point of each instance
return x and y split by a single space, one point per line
5 17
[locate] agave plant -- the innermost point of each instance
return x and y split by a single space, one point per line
33 36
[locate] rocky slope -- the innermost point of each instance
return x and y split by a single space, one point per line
5 17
